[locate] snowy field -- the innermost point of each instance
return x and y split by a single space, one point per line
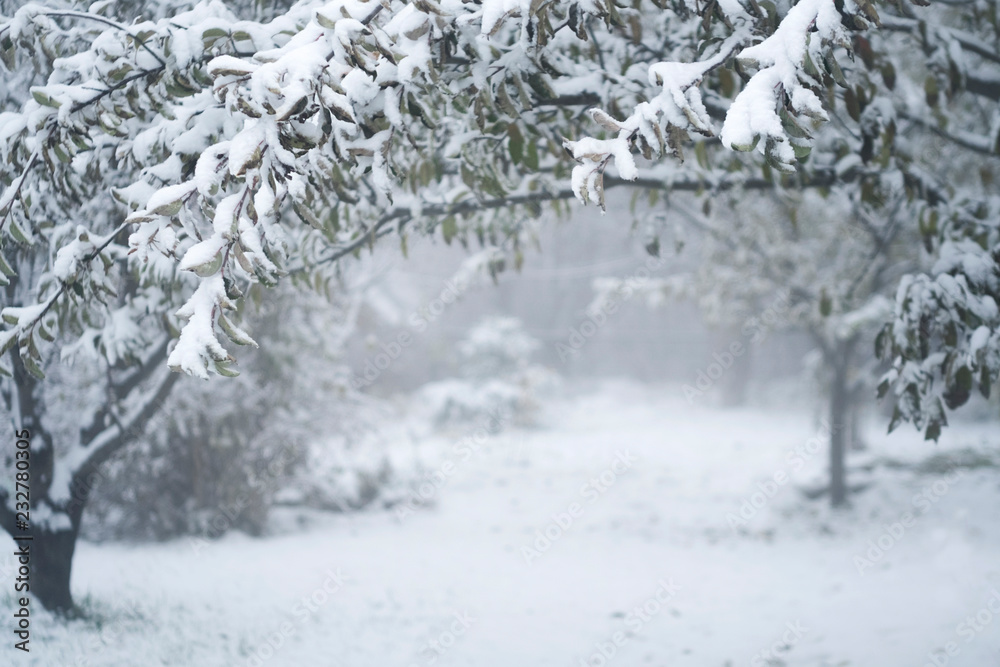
610 534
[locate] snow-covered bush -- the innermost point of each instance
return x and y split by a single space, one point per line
203 475
498 347
499 384
350 472
220 452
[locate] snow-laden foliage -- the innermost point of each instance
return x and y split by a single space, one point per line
243 149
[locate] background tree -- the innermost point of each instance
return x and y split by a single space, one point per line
796 262
114 329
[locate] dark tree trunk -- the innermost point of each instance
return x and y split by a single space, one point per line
840 421
51 567
51 551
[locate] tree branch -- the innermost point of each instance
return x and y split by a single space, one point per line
122 390
88 458
106 21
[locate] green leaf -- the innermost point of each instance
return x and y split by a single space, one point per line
515 143
60 153
7 340
880 342
825 304
325 21
7 52
19 234
882 390
933 431
209 268
653 247
701 154
214 33
727 82
504 101
931 91
119 73
963 378
889 75
468 176
449 228
222 367
745 148
241 258
833 67
45 334
531 156
44 99
235 333
852 103
169 209
32 367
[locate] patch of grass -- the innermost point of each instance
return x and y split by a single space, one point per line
970 459
97 613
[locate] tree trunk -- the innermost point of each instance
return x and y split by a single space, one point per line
50 550
736 386
51 566
840 414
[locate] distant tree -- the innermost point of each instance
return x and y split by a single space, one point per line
796 262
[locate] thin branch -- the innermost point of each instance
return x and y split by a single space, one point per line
63 286
118 86
17 191
404 215
964 141
968 42
107 21
120 433
121 390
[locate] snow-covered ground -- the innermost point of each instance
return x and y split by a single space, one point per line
610 534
